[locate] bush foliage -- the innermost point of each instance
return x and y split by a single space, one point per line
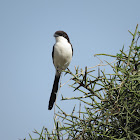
111 101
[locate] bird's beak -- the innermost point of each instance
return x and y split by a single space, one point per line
55 35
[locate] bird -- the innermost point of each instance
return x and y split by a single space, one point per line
61 55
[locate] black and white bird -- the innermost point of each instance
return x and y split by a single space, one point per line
62 54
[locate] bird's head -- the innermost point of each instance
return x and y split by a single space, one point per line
61 34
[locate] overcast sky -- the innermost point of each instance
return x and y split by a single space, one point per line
26 42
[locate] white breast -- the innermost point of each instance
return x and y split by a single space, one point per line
62 53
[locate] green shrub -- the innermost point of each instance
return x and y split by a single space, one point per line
112 101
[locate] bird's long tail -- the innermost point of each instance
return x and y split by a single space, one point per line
54 91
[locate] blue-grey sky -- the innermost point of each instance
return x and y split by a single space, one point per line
26 41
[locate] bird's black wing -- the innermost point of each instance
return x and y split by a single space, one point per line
71 48
53 54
